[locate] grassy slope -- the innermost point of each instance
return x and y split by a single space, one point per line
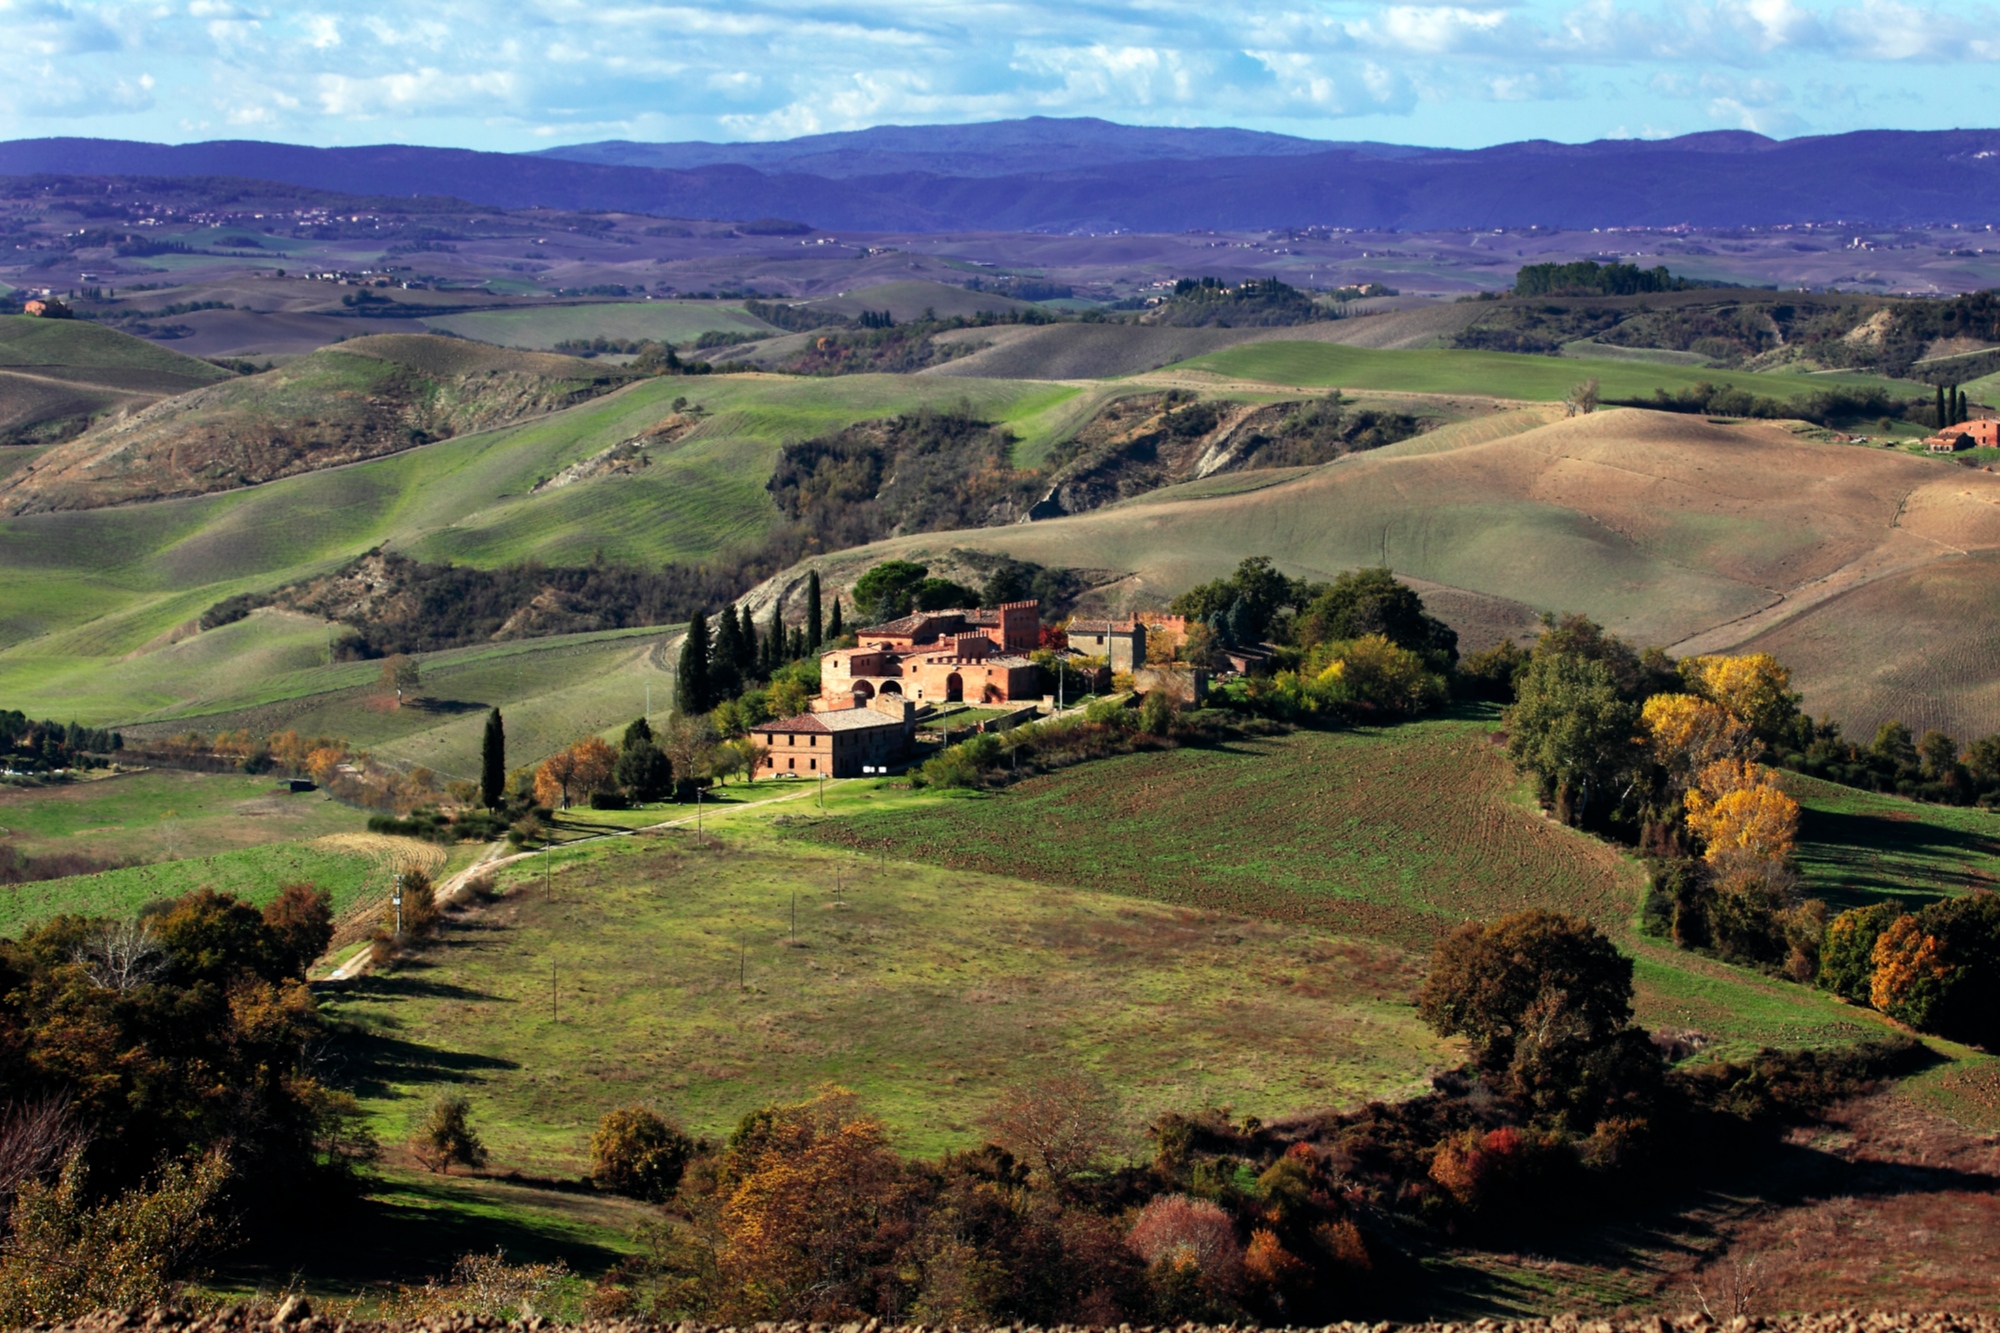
926 989
1856 847
1397 835
1281 888
1504 374
544 327
254 874
80 590
161 814
77 344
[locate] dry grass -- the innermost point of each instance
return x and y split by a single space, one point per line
402 855
1887 1205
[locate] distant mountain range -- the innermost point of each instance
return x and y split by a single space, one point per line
1091 175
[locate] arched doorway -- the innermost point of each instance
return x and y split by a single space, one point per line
891 687
863 692
954 688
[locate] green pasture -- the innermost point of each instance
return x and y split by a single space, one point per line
84 344
680 981
161 814
1857 847
1502 374
542 327
254 874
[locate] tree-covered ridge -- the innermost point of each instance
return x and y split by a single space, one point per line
1587 277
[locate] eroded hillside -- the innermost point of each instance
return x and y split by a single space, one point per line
362 399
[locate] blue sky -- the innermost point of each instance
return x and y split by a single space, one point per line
520 74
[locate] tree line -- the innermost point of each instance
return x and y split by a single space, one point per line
1680 759
1586 277
30 746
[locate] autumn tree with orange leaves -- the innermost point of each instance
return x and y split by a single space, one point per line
574 772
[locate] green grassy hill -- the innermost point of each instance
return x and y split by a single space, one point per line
56 375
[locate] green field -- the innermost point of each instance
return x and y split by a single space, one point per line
1283 890
83 345
542 327
1502 374
1856 847
165 815
679 982
254 874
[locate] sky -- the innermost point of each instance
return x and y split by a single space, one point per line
516 75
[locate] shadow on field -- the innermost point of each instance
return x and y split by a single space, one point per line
374 1063
1655 1251
1910 858
411 1227
446 707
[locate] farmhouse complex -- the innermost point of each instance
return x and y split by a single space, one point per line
940 656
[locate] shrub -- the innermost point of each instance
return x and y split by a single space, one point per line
609 800
447 1137
1939 971
636 1152
1179 1237
69 1255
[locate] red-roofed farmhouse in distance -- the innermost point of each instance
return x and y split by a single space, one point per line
939 656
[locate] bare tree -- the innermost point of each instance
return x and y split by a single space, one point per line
1061 1125
1582 398
122 956
34 1137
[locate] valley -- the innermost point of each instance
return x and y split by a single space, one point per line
499 467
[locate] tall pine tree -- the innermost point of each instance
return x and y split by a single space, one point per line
833 622
815 622
1942 410
692 692
725 672
493 762
774 636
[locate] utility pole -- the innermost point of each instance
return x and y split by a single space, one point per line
742 965
555 1015
397 899
795 916
697 814
548 880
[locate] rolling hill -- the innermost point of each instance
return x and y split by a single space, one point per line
1669 529
58 375
358 400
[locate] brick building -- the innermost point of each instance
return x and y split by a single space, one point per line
1983 434
1122 643
838 742
976 656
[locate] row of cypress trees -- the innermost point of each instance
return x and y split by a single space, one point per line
712 668
716 665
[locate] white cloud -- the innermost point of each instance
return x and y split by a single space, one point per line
494 71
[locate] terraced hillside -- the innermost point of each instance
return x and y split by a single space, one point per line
57 375
371 396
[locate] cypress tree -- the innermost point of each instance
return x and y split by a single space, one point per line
725 675
833 623
493 762
814 621
1942 423
753 647
746 650
775 636
691 688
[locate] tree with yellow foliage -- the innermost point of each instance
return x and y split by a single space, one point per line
1736 807
1687 733
1755 689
